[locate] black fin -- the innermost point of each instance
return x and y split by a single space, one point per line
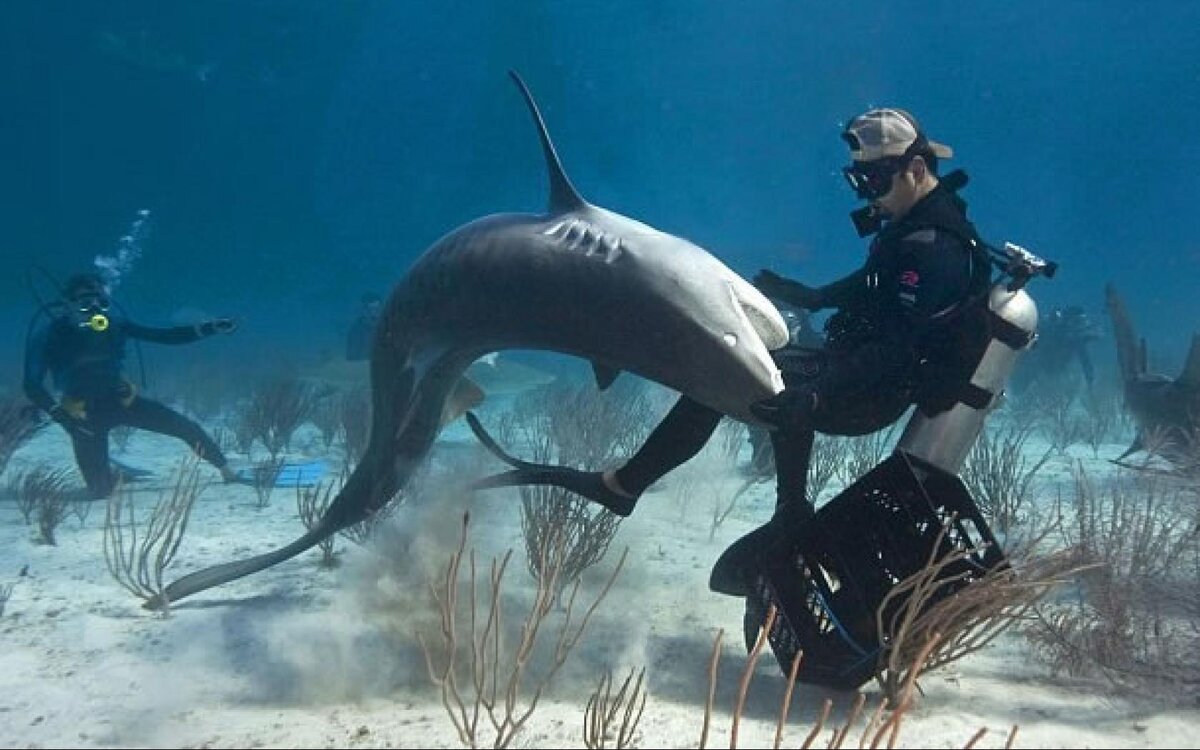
563 196
605 375
586 484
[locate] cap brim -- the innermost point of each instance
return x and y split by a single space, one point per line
941 150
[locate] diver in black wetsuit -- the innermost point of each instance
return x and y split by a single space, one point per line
82 347
362 331
909 327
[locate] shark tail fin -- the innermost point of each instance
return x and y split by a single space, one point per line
1191 368
1127 347
218 574
563 196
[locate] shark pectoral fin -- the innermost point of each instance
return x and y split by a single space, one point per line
465 396
605 375
1191 369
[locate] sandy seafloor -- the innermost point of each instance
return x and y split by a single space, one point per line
301 656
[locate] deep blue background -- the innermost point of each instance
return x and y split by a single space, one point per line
296 154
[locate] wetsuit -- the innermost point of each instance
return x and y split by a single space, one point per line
904 333
86 368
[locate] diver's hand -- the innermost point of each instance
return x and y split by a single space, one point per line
74 427
790 409
217 325
786 290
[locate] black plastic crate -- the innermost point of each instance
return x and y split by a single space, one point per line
832 574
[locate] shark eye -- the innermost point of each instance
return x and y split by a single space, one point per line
731 340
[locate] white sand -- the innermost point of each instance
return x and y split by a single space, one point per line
299 656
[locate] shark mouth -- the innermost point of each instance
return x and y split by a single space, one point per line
766 322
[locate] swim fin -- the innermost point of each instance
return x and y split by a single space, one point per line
127 472
304 474
741 562
588 484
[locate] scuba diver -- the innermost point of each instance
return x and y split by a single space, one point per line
909 327
82 347
1063 335
362 330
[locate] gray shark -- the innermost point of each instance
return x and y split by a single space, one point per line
579 280
1157 403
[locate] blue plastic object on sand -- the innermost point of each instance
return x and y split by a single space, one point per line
300 474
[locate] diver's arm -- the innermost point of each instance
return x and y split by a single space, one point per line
179 334
35 371
171 335
844 292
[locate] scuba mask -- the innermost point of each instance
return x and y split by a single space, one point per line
91 311
873 179
870 181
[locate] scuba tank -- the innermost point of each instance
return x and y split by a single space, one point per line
945 439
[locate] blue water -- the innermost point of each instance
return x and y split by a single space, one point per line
293 155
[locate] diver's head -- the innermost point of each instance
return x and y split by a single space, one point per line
894 163
88 300
372 304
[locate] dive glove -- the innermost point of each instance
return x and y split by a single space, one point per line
790 409
216 325
785 290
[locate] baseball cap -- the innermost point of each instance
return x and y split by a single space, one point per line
885 132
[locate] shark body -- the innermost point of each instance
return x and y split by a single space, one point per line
579 280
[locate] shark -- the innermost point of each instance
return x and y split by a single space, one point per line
578 279
1165 410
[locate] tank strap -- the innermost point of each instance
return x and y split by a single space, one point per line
1009 334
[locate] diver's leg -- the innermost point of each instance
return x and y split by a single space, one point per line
147 414
677 438
91 455
793 452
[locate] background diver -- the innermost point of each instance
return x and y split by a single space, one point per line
1063 336
908 328
82 346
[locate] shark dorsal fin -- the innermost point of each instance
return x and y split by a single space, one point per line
563 196
1191 366
1127 354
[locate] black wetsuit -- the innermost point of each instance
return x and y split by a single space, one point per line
903 334
86 368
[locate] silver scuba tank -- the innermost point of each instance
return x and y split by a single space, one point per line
944 440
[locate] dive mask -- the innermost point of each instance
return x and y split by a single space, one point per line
91 311
871 180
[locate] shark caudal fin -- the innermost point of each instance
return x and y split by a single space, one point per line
563 196
1127 347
